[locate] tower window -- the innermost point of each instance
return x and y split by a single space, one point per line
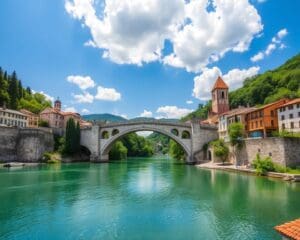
222 95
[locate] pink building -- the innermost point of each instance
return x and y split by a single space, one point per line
58 119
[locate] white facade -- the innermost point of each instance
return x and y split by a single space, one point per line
289 116
10 118
223 127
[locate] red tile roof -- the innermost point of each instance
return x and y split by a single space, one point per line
294 101
290 229
220 84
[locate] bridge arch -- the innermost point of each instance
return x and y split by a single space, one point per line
108 143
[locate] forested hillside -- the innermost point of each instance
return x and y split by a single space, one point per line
270 86
282 82
15 96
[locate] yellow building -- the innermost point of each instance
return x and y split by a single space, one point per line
32 119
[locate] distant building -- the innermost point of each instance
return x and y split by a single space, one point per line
9 117
289 116
32 119
232 116
58 119
264 120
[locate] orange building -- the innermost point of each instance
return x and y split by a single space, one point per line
264 120
32 119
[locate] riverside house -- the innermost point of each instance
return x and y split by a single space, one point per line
262 121
10 118
289 116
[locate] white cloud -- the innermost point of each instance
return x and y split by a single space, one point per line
129 31
70 109
189 102
209 35
134 31
204 82
144 133
84 98
275 43
83 82
282 33
173 112
107 94
124 116
90 43
259 56
146 113
271 47
85 111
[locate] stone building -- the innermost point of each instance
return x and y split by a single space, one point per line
57 119
289 116
262 121
9 117
32 119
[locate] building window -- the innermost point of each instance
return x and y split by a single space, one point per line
292 125
256 124
222 94
283 126
298 114
291 116
272 123
291 107
260 123
298 105
282 117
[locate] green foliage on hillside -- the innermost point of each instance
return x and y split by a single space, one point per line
201 112
14 96
104 117
282 82
118 151
176 151
160 142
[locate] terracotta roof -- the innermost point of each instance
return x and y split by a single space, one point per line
220 84
237 111
282 101
290 229
50 110
294 101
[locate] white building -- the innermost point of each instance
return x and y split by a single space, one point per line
289 116
9 117
232 116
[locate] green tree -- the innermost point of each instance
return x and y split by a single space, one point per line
118 151
236 134
176 151
220 149
4 96
13 91
72 139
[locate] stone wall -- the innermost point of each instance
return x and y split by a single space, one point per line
25 145
285 151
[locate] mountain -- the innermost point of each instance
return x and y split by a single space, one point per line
282 82
104 117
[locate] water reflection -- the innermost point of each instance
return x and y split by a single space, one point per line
141 198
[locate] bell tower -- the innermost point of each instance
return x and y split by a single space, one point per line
220 101
57 104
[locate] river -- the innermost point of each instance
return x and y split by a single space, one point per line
141 199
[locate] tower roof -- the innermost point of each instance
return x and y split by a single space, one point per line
220 84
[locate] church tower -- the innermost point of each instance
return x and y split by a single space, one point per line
57 105
220 101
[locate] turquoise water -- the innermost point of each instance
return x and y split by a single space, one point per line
141 199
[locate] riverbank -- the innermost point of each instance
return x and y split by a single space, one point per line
244 169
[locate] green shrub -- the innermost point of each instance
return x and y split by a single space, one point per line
46 156
53 161
220 149
264 165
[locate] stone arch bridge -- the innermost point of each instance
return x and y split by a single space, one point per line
100 138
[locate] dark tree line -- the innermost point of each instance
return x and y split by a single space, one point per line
72 139
14 96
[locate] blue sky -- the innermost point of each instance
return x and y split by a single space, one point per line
143 57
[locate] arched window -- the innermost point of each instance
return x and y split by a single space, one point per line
222 95
105 135
175 132
186 135
115 132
